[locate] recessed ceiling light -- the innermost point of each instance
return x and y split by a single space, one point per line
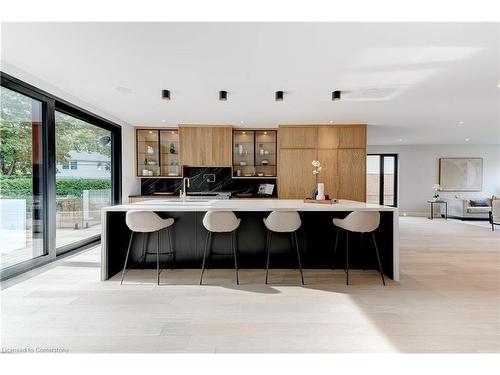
242 122
460 123
400 139
123 90
466 139
498 85
331 122
163 120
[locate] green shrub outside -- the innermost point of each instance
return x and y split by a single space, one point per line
20 187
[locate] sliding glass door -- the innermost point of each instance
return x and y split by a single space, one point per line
83 179
382 179
21 179
59 165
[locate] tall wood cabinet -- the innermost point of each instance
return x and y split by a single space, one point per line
208 146
341 149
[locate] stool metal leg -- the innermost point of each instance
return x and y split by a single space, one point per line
126 257
269 234
298 256
145 237
364 262
234 242
335 247
171 247
378 259
158 259
209 235
347 257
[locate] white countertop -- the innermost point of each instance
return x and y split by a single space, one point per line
172 204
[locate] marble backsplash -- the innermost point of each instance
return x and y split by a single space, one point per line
205 179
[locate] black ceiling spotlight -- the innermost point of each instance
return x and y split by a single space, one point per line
223 95
165 94
336 95
278 96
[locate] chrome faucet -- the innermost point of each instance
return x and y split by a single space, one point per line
183 192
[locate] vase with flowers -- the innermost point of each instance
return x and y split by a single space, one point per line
320 195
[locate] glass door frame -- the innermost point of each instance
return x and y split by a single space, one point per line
381 179
50 104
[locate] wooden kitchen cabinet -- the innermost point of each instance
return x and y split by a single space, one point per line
329 171
207 146
328 137
296 180
352 136
298 137
352 174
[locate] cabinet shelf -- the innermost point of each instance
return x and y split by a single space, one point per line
159 140
253 141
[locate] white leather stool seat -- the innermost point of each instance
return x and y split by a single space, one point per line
359 221
283 221
146 221
221 221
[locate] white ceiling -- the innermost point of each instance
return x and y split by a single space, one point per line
412 83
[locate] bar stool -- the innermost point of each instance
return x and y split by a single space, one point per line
283 222
360 222
220 222
147 222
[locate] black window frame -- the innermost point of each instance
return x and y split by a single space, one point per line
51 104
381 179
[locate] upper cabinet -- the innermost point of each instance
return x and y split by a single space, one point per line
157 153
353 136
328 137
207 146
254 153
298 136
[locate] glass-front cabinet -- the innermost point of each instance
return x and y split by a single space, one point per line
169 153
157 153
254 153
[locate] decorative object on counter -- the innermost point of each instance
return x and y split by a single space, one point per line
323 201
150 150
261 150
172 148
265 189
436 189
266 152
321 186
238 172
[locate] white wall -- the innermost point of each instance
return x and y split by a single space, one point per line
419 170
130 184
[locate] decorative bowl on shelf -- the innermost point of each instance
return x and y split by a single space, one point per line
260 174
264 162
248 175
243 163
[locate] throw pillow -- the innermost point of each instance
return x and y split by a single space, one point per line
479 202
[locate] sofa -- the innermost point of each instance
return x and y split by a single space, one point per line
468 208
495 212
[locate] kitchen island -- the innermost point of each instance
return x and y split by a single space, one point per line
316 235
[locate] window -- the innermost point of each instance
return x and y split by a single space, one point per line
65 166
382 179
73 164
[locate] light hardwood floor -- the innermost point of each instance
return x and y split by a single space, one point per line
447 301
